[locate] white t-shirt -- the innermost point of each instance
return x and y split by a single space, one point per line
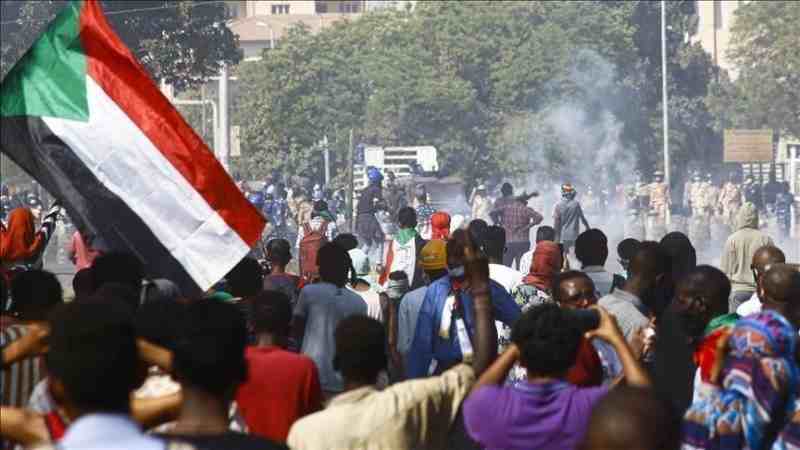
505 276
526 260
751 306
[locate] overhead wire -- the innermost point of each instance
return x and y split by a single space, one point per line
129 11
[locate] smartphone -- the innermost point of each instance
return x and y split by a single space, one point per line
586 319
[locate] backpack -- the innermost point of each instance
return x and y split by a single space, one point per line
312 241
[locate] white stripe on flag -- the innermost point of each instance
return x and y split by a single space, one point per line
130 166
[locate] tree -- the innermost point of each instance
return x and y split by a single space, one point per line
182 43
766 93
519 89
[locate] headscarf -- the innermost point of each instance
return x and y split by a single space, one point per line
545 264
758 385
705 354
440 225
19 241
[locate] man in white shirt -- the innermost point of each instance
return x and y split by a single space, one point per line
93 367
763 259
591 249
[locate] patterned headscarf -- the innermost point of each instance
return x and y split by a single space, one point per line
758 384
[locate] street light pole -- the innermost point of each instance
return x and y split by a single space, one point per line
667 171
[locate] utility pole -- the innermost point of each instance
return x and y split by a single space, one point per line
326 153
667 174
350 181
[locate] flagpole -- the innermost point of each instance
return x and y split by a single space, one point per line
224 122
667 171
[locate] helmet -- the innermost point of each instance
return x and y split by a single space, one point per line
257 199
374 175
567 190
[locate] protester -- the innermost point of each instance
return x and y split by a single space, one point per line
433 260
322 221
159 290
506 198
746 403
118 267
448 307
281 386
764 258
209 362
440 225
567 218
591 249
543 233
544 412
34 295
404 250
495 247
424 212
626 250
632 305
477 230
371 201
245 280
517 220
537 285
631 418
780 291
20 244
81 250
682 253
738 254
319 310
363 285
93 367
279 254
410 415
480 203
688 330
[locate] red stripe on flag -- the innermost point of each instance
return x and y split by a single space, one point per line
112 65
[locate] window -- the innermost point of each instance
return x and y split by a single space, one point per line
280 9
321 7
350 7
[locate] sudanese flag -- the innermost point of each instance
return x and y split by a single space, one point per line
82 117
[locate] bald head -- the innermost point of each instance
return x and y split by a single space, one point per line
767 256
633 419
780 291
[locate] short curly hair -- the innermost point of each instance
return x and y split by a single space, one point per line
547 339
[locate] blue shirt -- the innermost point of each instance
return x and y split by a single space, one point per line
428 345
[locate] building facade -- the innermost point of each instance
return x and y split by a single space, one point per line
714 30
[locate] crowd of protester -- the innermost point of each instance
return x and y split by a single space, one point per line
447 346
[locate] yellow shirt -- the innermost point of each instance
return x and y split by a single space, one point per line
414 414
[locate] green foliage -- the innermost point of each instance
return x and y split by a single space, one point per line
766 93
182 43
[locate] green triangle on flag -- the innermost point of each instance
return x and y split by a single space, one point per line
50 79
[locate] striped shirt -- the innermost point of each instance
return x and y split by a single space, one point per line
18 380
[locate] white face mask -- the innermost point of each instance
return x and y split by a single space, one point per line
456 272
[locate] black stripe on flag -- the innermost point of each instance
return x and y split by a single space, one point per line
30 143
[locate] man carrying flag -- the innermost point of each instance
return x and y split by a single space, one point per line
81 116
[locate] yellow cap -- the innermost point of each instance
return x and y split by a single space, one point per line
434 255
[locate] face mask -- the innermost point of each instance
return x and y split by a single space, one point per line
456 272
